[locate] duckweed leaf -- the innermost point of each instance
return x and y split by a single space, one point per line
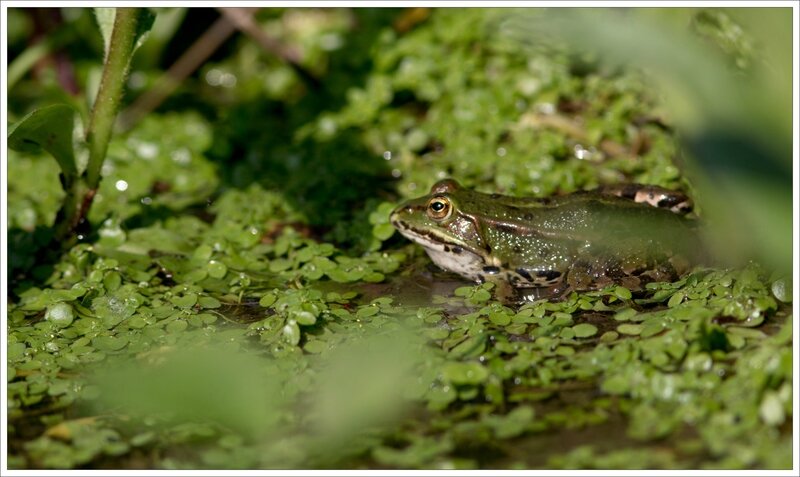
584 330
782 289
622 293
315 346
60 314
208 302
176 326
267 300
185 301
292 333
465 373
216 269
629 329
383 231
303 317
109 343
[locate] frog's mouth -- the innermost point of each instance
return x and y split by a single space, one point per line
433 241
446 252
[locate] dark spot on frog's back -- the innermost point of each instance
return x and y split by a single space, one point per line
629 191
505 228
677 202
491 270
548 274
456 249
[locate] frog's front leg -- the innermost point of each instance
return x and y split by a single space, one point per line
505 293
509 295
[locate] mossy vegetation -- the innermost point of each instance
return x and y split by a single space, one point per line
241 301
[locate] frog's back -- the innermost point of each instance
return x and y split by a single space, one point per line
590 237
646 194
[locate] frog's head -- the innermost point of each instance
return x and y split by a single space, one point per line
441 222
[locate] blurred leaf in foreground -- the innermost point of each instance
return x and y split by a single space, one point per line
358 390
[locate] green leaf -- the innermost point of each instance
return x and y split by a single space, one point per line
176 326
303 317
208 302
315 346
60 314
771 409
472 346
622 293
629 329
782 289
480 296
105 22
383 231
292 333
49 128
16 351
465 373
185 301
109 343
216 269
500 318
514 423
267 299
584 330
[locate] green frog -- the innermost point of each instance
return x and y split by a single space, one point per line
627 234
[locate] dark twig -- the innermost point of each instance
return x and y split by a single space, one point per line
198 53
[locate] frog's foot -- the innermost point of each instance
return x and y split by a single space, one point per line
552 293
507 294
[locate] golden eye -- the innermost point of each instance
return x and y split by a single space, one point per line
439 208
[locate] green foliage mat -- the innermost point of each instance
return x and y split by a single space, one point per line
245 304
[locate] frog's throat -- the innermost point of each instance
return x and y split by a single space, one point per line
449 254
433 240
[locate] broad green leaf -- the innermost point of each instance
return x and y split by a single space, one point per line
49 128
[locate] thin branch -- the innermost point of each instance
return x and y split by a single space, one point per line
195 56
243 19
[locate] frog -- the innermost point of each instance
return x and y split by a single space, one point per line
624 234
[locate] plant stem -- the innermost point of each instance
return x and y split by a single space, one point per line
81 191
106 104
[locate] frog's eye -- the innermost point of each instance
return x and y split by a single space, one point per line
439 208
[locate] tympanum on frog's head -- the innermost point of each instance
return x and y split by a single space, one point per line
584 240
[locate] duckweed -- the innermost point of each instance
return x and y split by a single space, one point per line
245 302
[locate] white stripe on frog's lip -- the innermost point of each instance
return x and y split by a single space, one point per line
441 241
449 255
